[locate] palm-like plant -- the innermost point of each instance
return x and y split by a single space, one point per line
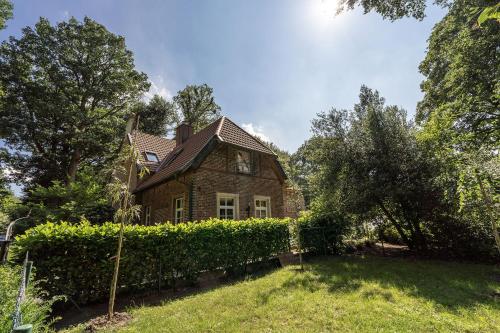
126 209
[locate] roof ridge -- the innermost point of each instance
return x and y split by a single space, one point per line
170 157
253 137
219 127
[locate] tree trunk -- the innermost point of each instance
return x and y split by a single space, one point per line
489 205
73 166
396 224
114 282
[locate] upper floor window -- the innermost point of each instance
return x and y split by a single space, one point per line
178 210
152 157
227 206
262 206
243 161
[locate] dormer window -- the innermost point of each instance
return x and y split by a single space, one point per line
243 161
152 157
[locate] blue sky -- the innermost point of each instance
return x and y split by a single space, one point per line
273 64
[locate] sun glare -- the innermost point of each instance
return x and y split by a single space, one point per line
323 12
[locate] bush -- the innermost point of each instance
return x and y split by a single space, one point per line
76 260
322 233
34 309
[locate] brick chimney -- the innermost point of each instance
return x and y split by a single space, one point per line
182 133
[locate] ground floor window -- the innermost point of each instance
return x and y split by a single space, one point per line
178 209
262 206
227 206
147 215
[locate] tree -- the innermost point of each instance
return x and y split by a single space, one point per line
461 88
460 111
370 164
126 211
197 105
157 116
391 9
66 92
5 12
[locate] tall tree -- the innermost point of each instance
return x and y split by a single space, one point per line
66 92
370 163
157 116
197 105
5 12
461 101
460 110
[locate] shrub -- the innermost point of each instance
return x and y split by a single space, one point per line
322 233
76 260
34 309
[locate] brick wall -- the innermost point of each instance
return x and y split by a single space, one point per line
218 173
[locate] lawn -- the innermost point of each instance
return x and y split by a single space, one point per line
344 294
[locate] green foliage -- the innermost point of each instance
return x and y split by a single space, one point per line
322 232
59 202
460 108
197 105
5 12
370 164
157 116
391 9
35 308
489 13
66 90
74 260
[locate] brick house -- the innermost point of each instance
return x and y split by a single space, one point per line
221 171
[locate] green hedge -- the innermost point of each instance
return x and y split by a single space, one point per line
75 260
322 234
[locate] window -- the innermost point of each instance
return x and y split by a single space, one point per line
178 210
243 161
227 206
262 206
152 157
147 215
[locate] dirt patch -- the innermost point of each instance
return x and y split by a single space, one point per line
119 319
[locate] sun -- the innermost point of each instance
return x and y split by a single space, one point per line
323 11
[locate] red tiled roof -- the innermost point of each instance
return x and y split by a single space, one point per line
144 142
181 157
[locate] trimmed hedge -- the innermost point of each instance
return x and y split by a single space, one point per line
76 260
322 234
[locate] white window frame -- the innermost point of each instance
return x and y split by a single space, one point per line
147 215
176 210
153 153
241 165
267 208
236 206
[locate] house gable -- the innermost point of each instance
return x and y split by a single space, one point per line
195 149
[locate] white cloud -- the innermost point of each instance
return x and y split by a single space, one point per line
158 87
255 130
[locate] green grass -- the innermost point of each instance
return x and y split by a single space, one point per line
341 294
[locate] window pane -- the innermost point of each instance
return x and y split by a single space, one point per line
222 213
230 202
257 203
263 203
152 157
222 202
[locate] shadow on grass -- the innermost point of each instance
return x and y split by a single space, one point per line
451 285
75 316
